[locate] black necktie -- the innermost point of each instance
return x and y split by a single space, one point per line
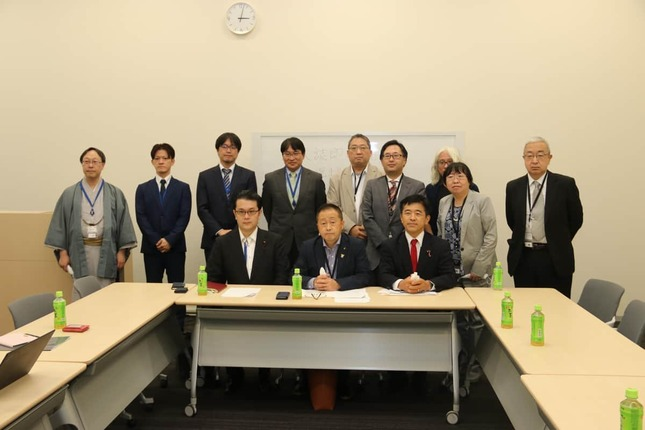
162 192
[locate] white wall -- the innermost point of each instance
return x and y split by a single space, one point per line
124 74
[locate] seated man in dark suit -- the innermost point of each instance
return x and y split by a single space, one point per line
414 251
343 261
343 258
248 255
415 261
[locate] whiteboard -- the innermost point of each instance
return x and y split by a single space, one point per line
326 153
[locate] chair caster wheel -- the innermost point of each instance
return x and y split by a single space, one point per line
452 417
190 410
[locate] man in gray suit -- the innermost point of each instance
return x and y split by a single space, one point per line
380 209
346 189
292 196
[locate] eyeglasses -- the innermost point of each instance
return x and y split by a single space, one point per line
359 148
393 156
444 162
458 177
328 223
157 159
318 295
292 154
409 213
540 156
242 212
91 162
228 147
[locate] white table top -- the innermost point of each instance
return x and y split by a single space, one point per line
113 313
41 382
576 342
596 399
453 299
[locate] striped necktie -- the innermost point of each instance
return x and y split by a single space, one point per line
227 182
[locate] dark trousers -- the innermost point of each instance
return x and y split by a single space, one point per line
536 269
174 264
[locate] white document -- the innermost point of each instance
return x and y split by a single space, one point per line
351 296
388 292
241 292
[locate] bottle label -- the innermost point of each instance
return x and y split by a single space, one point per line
537 330
631 418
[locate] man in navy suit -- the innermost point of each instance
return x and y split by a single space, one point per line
248 255
544 212
414 251
163 206
342 258
217 188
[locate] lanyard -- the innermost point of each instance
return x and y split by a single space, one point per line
356 185
537 195
293 190
456 222
92 203
333 269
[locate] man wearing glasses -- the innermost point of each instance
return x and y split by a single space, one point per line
292 195
248 255
346 188
91 231
380 208
544 212
217 188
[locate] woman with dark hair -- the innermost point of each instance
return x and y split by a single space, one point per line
467 221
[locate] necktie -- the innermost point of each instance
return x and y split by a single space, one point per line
246 249
227 182
413 254
162 191
537 214
391 196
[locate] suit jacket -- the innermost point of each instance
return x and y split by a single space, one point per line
434 194
434 264
562 220
214 209
352 267
167 220
378 224
478 238
270 263
282 218
341 193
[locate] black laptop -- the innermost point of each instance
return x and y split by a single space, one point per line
18 363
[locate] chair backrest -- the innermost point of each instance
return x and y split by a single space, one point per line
85 286
30 308
632 325
601 298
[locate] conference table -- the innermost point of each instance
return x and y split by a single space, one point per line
27 402
400 332
576 343
133 336
573 402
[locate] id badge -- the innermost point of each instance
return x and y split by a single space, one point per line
91 231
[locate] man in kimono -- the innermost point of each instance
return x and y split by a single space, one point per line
91 231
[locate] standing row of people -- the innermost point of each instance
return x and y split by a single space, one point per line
92 234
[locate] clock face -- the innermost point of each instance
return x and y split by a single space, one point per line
240 18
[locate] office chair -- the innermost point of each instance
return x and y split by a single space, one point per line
30 308
85 286
632 326
601 299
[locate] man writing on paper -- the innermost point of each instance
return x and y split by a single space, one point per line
91 229
248 255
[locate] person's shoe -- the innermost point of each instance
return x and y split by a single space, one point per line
298 388
232 386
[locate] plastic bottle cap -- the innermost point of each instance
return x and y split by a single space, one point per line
59 294
631 393
538 307
498 264
202 267
507 294
296 271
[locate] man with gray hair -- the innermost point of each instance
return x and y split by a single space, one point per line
544 213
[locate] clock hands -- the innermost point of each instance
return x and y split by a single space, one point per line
242 14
